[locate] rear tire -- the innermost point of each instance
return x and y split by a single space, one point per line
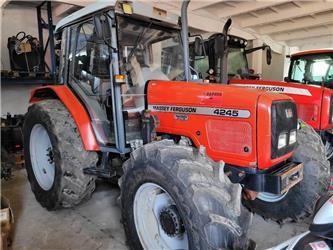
66 185
300 200
208 204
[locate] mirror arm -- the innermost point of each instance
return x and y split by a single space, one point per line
264 46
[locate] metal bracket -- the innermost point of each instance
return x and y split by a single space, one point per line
100 172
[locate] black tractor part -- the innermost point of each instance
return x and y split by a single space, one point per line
24 53
11 143
299 202
70 185
11 133
205 205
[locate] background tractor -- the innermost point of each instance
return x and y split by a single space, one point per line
124 108
315 68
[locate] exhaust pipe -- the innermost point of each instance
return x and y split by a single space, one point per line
184 34
224 59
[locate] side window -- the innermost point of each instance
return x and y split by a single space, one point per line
298 70
89 62
90 58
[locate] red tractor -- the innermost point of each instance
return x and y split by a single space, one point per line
123 108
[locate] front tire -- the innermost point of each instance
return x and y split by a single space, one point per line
55 157
300 200
173 197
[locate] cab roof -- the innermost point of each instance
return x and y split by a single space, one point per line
140 9
311 52
84 12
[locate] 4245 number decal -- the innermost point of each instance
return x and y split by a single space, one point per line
226 112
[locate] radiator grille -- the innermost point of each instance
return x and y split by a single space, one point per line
229 136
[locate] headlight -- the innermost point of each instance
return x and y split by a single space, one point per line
292 137
282 141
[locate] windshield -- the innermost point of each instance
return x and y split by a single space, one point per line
147 52
312 69
237 63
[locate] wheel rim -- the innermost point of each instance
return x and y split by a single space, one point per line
151 203
41 155
269 197
328 150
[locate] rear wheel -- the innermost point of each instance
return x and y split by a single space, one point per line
55 157
300 200
172 197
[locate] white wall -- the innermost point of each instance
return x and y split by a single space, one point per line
275 71
15 99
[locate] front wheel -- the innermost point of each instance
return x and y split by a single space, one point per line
172 197
300 200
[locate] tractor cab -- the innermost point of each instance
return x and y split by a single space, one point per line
312 67
207 59
108 58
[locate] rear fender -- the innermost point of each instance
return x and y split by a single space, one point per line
74 106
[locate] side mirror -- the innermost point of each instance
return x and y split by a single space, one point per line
198 46
269 55
98 27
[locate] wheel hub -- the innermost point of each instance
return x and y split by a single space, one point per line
171 222
42 157
49 154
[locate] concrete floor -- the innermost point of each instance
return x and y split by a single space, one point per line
96 223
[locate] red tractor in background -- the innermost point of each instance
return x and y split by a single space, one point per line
124 108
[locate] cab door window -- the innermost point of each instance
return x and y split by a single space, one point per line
89 75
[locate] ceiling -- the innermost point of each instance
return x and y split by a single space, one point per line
297 23
303 24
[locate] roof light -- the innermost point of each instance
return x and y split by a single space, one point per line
127 9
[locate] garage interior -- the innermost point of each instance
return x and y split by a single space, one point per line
285 27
